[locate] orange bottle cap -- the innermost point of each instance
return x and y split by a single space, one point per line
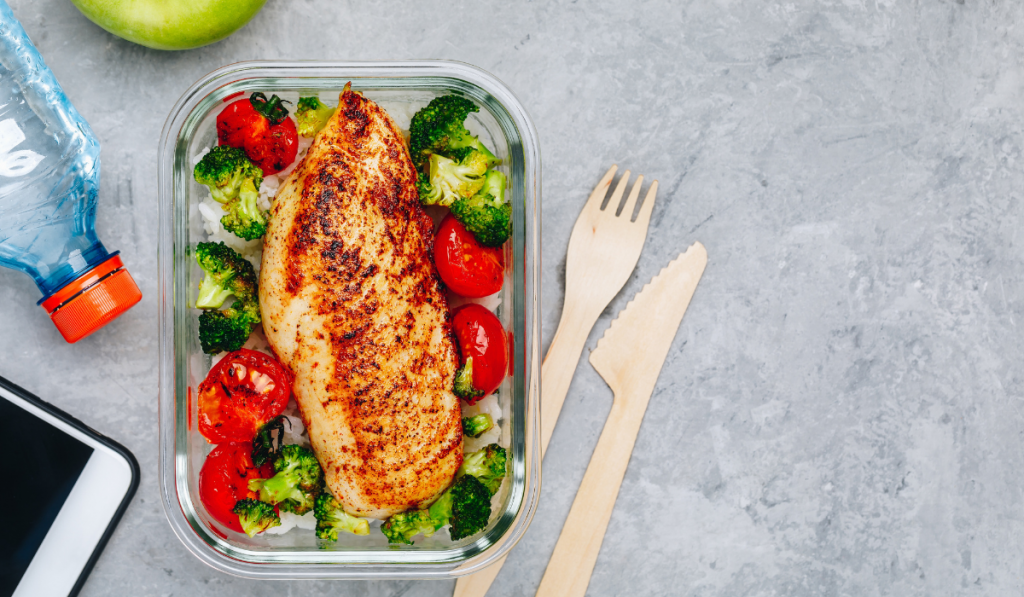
92 300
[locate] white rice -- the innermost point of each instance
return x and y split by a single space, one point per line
290 521
488 405
489 302
199 156
401 113
212 212
294 430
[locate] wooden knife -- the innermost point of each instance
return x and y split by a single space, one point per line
629 357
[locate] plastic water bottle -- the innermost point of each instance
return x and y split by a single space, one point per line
49 178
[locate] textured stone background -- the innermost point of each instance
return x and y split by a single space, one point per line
841 413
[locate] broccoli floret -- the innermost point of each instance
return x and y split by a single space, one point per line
227 330
471 507
297 482
235 181
439 128
255 516
402 527
226 273
267 443
485 214
331 518
224 169
451 162
466 506
312 115
487 465
478 425
441 510
451 180
464 382
476 157
245 219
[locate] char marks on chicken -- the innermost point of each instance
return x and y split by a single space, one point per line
353 306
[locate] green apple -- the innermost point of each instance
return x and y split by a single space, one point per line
170 24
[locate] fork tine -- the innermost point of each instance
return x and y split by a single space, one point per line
596 198
644 217
620 188
630 205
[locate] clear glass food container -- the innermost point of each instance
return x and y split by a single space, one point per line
503 124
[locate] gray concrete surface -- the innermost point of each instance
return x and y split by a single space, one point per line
843 410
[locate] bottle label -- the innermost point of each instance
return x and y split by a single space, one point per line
15 163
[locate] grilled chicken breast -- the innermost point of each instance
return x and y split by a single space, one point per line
353 306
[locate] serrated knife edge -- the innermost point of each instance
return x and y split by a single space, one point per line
643 331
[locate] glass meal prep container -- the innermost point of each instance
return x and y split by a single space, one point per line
504 126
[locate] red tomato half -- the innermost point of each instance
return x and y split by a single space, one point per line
262 128
224 479
274 149
468 268
242 392
481 336
236 123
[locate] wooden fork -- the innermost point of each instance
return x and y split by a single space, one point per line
603 250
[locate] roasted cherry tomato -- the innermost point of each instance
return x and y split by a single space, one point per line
242 392
262 128
224 479
468 268
481 336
